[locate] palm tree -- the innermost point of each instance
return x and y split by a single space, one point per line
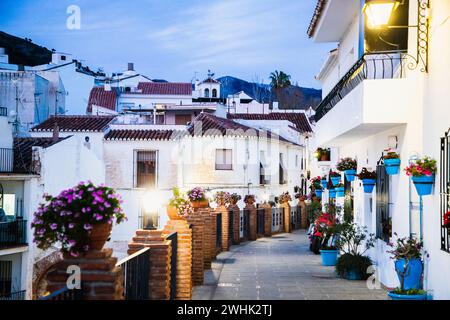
279 80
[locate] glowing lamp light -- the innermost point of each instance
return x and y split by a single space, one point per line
379 12
152 201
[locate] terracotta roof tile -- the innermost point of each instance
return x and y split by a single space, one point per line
299 119
142 134
102 98
76 123
166 88
316 17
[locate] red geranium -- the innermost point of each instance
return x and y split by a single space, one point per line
447 220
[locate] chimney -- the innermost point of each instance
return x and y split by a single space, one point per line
55 136
130 66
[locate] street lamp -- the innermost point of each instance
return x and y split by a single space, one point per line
151 202
379 14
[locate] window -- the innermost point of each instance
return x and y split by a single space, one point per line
445 190
224 159
63 58
384 222
214 93
296 160
264 178
5 277
282 171
145 169
206 93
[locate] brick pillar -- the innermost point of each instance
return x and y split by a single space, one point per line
304 214
100 278
225 228
252 221
160 260
208 238
267 219
236 220
287 217
184 257
197 221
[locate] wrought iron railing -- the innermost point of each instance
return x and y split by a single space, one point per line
296 217
218 230
3 112
13 233
64 294
136 275
260 221
6 160
246 224
370 66
173 264
19 295
230 225
445 190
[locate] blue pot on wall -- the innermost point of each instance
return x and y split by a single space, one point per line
329 257
350 175
423 184
332 193
340 191
324 183
318 192
335 180
392 166
395 296
413 273
368 185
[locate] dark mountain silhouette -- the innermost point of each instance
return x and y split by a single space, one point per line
23 51
292 97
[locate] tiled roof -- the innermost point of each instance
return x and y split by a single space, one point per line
210 80
166 88
316 17
23 151
142 134
75 123
102 98
299 119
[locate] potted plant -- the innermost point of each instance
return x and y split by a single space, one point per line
324 182
322 154
369 179
325 228
250 199
391 161
316 186
332 192
79 218
222 198
234 198
446 223
285 197
353 241
179 207
422 173
197 196
409 267
335 177
340 190
348 165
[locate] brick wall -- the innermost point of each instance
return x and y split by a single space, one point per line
267 219
252 221
184 257
304 215
208 238
236 220
160 260
225 245
100 278
287 217
197 222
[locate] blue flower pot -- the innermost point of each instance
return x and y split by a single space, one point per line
395 296
368 185
335 180
350 175
332 193
353 275
413 275
329 257
423 184
340 192
324 184
392 166
318 192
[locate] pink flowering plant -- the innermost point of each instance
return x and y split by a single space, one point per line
196 194
68 218
182 203
422 167
222 198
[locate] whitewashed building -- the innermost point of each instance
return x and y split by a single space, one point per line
374 99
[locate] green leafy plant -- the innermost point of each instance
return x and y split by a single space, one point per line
347 164
234 197
334 174
422 167
410 292
222 198
390 154
181 202
284 197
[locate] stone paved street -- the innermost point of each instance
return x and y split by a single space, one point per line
274 268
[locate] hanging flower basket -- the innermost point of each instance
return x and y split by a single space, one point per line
324 182
332 193
335 178
319 193
340 191
348 165
369 185
368 179
350 175
392 166
422 173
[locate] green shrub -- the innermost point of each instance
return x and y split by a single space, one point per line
356 263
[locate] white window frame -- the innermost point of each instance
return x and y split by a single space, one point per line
135 153
224 159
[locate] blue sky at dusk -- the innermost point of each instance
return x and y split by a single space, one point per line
173 39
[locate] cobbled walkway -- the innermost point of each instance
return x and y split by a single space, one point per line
280 267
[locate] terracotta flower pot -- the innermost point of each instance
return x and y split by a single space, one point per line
172 212
197 204
99 235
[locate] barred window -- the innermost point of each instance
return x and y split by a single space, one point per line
384 222
145 169
445 191
224 159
